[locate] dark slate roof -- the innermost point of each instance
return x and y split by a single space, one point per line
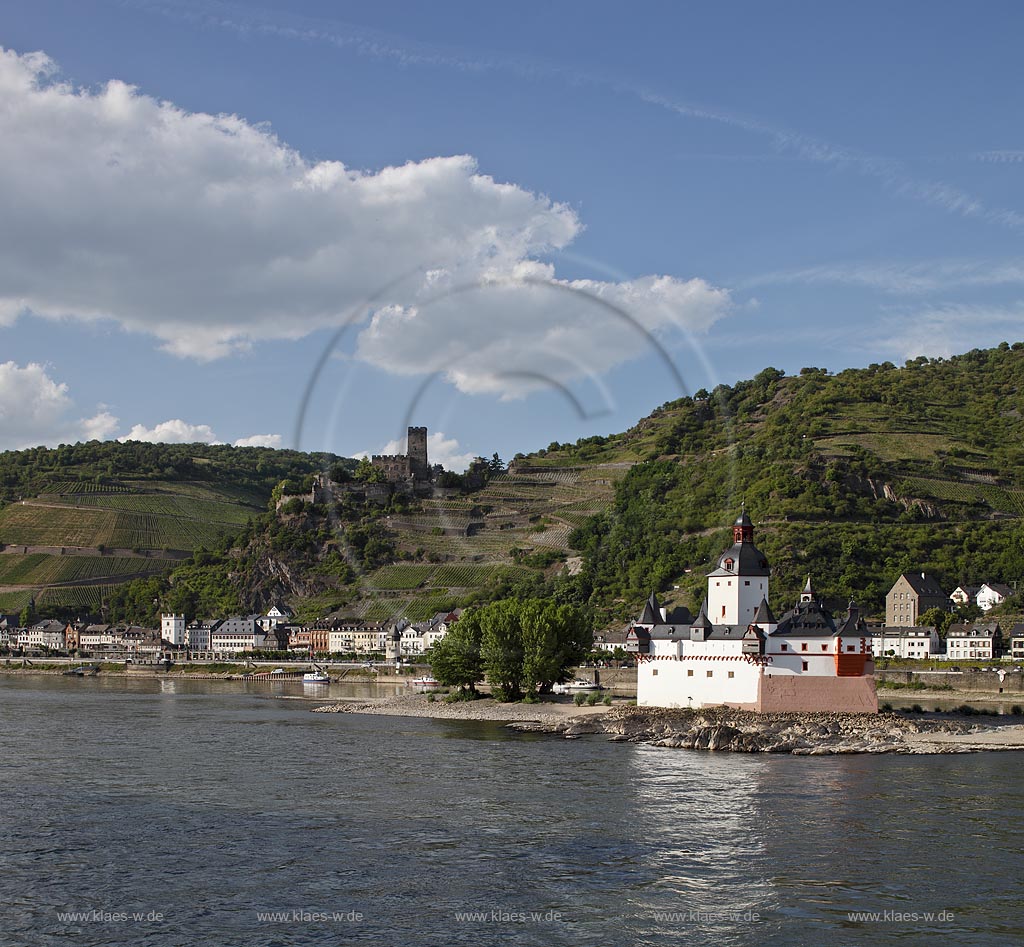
702 620
680 615
651 614
977 630
747 560
764 614
806 620
923 584
1017 630
853 622
1004 590
902 631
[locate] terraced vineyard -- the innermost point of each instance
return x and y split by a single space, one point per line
39 569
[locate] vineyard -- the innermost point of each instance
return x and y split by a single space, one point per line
30 525
38 569
169 505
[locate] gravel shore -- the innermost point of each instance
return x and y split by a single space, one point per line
416 705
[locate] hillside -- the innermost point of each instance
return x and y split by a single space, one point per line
80 521
852 477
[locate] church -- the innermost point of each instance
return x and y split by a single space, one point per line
736 653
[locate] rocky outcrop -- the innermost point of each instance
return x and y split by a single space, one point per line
737 731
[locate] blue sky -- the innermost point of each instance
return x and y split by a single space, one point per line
538 221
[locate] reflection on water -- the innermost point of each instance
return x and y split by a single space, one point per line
210 801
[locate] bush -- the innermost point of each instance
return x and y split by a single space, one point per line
608 700
593 698
580 699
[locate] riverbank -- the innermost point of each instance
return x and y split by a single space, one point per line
722 729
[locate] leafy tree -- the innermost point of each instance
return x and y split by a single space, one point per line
456 660
554 638
501 647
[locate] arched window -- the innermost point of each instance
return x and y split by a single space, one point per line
729 564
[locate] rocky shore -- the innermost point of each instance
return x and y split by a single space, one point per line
720 728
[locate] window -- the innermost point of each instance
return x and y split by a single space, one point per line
784 647
654 673
732 674
803 647
824 647
746 581
723 611
850 647
804 663
689 673
711 673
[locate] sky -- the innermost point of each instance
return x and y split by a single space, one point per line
311 224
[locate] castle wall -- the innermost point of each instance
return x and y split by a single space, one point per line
791 694
696 682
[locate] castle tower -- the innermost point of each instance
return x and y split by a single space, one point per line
416 450
172 629
737 587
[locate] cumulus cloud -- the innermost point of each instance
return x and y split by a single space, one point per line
509 335
210 233
942 331
174 431
260 440
35 409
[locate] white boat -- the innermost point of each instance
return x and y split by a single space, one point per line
425 681
316 677
579 684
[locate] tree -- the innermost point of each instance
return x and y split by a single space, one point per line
501 647
554 638
937 618
25 617
496 464
455 660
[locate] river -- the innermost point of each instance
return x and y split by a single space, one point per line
206 812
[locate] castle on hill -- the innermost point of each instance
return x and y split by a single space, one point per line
736 653
410 466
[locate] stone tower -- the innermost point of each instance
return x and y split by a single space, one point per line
416 449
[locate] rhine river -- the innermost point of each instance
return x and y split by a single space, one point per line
195 813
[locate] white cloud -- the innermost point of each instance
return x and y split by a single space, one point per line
509 336
209 233
942 331
260 440
35 409
174 431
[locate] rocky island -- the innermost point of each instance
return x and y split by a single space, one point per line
722 728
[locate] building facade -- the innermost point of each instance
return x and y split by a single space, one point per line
982 641
910 597
804 661
914 642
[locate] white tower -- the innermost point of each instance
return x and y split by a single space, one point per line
172 628
737 586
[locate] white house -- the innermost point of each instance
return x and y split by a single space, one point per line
992 594
982 641
236 635
917 641
736 652
47 634
198 635
964 594
172 629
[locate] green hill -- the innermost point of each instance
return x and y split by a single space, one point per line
82 520
853 477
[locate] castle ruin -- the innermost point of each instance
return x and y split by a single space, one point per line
411 465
